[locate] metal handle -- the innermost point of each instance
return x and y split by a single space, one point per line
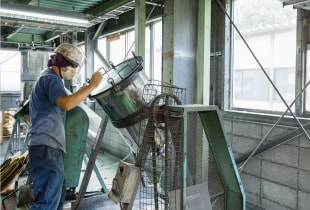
88 80
139 66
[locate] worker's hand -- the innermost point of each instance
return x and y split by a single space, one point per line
68 102
95 79
83 87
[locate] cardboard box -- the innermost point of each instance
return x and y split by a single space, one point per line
8 121
1 127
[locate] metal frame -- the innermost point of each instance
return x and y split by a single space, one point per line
234 192
15 139
91 163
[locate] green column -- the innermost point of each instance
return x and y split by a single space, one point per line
140 28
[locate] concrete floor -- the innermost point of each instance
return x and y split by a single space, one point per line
107 165
94 198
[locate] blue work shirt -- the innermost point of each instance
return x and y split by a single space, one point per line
47 120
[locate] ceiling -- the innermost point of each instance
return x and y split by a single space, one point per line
60 20
303 4
24 30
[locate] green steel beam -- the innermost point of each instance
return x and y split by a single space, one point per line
223 158
203 55
106 7
203 73
184 161
48 37
140 28
61 6
212 125
27 38
126 20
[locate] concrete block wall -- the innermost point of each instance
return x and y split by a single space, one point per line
276 179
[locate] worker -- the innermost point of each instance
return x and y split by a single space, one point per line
48 104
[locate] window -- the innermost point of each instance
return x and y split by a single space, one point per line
10 68
118 47
270 31
147 59
79 79
102 47
157 51
307 79
131 44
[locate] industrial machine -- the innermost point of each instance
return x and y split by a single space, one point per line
182 160
149 117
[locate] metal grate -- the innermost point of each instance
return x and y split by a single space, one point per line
215 185
173 174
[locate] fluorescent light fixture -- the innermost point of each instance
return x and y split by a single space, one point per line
26 15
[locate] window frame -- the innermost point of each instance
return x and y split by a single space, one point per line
19 56
126 32
299 109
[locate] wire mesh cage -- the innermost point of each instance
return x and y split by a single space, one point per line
155 154
215 185
155 88
203 182
161 156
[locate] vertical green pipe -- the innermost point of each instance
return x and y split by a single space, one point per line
167 157
184 160
140 28
203 55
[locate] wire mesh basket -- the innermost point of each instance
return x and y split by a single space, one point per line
156 154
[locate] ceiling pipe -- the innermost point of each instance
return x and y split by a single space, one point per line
28 12
41 26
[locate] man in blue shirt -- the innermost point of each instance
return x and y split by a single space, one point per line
47 107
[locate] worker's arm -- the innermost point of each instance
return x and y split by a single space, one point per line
68 102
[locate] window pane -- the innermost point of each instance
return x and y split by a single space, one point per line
131 43
250 88
102 46
97 62
250 84
147 52
308 79
284 81
270 31
10 66
117 50
158 51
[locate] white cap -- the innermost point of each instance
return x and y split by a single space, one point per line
70 53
